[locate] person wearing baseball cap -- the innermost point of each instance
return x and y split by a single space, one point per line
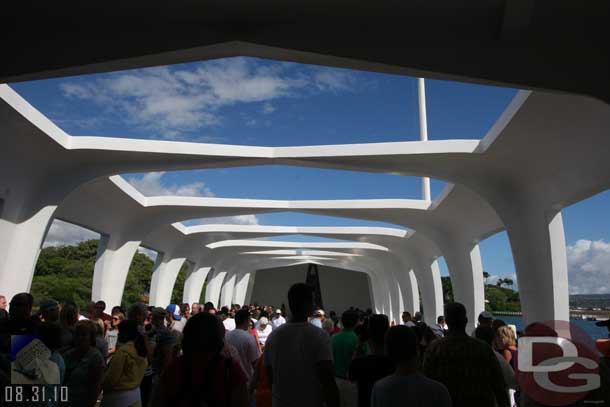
318 318
49 311
485 319
174 319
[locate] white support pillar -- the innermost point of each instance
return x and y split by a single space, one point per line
393 312
408 292
114 257
164 279
250 288
212 293
423 131
374 294
241 288
539 251
414 291
431 289
382 297
466 270
193 284
20 245
401 303
226 292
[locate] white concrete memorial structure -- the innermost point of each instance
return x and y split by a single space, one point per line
545 152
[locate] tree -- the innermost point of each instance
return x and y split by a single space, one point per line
65 273
447 289
500 282
485 276
501 299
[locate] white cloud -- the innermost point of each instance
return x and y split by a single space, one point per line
232 220
63 233
174 100
589 267
493 279
333 80
150 185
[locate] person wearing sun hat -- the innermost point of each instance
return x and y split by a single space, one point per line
175 320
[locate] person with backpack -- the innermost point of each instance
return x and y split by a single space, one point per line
203 375
122 379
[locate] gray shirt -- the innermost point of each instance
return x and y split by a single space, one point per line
414 390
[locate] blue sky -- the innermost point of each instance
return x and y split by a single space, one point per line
259 102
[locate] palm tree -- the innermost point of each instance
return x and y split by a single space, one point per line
500 282
508 282
485 276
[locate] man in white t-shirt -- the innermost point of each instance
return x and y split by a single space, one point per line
229 323
298 358
277 320
245 343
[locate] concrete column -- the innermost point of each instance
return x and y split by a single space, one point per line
250 288
20 245
228 287
212 293
401 303
377 294
466 270
539 251
393 295
431 289
241 288
410 296
414 291
383 301
114 257
164 279
193 284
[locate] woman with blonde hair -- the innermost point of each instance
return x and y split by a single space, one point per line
506 343
328 325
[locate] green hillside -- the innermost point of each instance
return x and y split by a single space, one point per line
66 273
498 298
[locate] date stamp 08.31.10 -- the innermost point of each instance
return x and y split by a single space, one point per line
31 395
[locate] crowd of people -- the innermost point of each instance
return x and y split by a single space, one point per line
243 356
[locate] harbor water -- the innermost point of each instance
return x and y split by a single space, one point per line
596 332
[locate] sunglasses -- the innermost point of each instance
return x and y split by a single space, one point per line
115 318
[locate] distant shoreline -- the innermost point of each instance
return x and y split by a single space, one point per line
574 313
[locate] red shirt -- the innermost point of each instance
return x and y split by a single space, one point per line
226 376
